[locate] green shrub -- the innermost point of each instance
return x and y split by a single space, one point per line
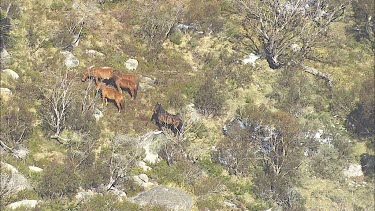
58 181
209 100
326 164
176 37
107 202
213 202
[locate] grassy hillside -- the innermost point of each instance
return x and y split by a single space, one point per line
287 141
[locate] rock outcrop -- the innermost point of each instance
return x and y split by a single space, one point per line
170 198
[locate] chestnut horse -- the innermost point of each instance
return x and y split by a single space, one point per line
98 72
163 118
110 93
127 81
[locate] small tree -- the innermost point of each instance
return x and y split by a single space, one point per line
57 101
287 30
209 100
158 19
120 157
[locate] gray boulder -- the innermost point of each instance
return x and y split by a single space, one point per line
5 57
23 203
11 180
10 73
152 142
170 198
70 60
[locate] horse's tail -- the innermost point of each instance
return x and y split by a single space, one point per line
136 90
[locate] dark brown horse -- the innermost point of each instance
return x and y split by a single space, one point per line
163 118
98 72
127 81
110 93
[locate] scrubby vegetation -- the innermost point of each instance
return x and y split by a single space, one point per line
284 131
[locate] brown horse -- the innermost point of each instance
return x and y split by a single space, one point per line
127 81
98 72
163 118
110 93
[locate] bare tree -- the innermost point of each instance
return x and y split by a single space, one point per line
58 101
125 154
287 30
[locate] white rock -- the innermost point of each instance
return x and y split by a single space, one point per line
11 73
35 169
131 64
143 165
5 91
354 170
23 203
98 114
94 53
295 47
151 156
143 177
9 167
251 59
85 194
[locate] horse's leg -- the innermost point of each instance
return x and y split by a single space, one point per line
118 105
132 92
159 125
103 98
118 87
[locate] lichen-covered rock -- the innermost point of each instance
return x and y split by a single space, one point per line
170 198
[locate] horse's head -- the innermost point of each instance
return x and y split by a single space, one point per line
155 111
157 108
84 77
